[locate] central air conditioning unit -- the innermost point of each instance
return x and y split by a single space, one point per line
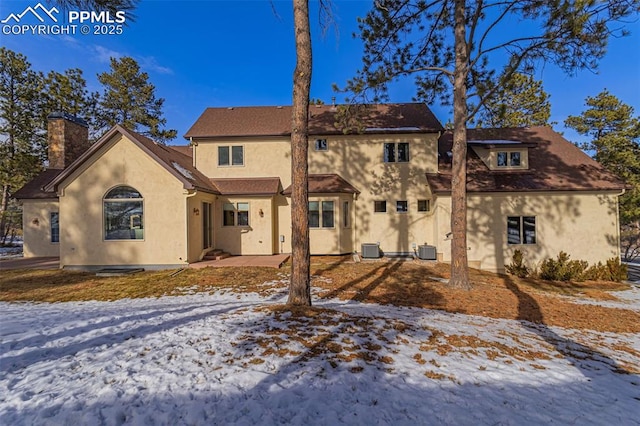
370 251
426 252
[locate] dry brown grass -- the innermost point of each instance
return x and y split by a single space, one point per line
385 282
66 286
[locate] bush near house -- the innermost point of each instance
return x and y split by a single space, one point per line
562 268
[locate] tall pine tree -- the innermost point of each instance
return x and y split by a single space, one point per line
614 141
129 100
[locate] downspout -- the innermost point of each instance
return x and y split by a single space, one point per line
188 217
618 223
193 146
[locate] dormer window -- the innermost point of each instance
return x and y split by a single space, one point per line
509 159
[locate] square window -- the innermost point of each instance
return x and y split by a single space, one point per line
402 206
223 156
514 159
423 205
521 230
321 145
379 206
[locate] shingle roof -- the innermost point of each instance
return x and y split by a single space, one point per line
555 164
276 121
247 186
327 184
176 163
183 149
34 189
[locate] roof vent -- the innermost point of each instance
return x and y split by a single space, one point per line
229 108
279 107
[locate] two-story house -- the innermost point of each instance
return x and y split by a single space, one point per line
127 201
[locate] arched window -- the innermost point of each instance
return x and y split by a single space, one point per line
123 214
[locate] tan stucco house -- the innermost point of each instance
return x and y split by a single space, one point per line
128 201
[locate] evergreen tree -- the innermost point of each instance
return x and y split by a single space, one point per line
614 142
447 46
521 102
129 100
22 143
68 93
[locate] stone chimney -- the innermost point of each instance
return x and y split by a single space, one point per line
68 138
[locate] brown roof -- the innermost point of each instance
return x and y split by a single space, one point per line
327 184
555 164
176 163
276 121
34 189
183 149
247 186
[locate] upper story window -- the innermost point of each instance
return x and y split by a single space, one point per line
423 205
396 152
321 145
123 214
402 206
380 206
231 155
509 159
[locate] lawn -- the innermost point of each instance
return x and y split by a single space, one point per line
399 283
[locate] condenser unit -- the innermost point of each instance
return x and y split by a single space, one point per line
370 251
426 252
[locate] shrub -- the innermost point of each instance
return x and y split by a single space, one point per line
563 269
517 266
613 270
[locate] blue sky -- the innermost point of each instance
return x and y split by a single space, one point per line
231 53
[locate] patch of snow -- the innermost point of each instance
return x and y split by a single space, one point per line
222 358
11 252
184 172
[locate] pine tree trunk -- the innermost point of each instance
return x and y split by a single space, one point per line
4 207
459 264
299 287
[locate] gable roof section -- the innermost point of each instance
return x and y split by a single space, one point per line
247 186
176 163
183 149
555 164
34 189
276 120
327 184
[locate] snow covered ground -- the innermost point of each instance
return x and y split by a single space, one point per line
227 359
